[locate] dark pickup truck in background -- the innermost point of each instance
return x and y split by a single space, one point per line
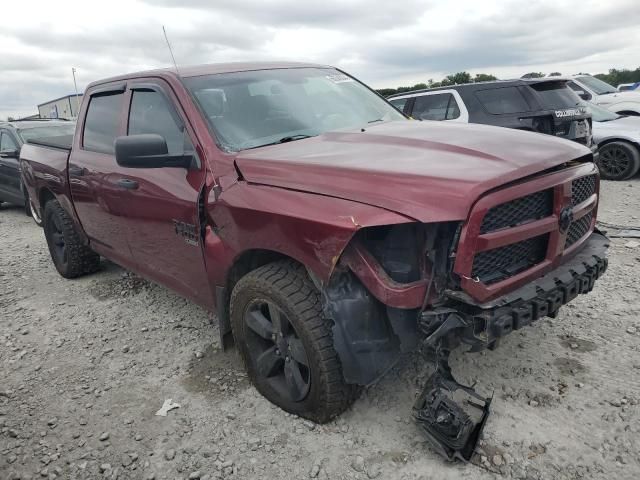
328 232
12 136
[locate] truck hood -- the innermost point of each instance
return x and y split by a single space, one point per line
429 171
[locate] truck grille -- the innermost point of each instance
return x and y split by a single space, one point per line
492 266
582 188
578 229
521 210
495 252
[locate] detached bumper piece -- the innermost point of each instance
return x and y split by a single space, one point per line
453 415
452 427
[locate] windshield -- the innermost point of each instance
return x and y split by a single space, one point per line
256 108
597 85
36 133
600 114
555 95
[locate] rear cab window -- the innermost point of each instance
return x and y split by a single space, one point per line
102 122
503 100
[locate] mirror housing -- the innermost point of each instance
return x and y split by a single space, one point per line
148 150
583 95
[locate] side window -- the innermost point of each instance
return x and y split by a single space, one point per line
582 93
503 100
101 122
399 103
6 143
150 113
431 107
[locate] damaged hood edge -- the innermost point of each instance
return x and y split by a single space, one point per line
428 171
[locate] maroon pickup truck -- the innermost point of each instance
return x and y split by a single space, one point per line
328 232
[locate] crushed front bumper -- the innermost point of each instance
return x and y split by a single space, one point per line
454 427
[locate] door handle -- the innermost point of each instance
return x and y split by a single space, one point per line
127 183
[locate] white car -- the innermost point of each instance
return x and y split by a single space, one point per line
625 87
601 93
618 141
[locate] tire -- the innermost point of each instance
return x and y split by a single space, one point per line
618 161
70 256
283 291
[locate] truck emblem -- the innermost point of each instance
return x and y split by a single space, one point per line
566 217
187 231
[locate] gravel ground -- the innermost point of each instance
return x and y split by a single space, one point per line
85 364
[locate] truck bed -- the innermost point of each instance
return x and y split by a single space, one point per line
61 142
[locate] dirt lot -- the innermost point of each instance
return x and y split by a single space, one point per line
85 365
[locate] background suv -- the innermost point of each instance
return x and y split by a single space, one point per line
540 105
601 93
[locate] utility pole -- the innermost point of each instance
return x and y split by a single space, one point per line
73 71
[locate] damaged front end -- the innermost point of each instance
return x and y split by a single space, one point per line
438 286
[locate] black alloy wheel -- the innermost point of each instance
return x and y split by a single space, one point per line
277 351
618 161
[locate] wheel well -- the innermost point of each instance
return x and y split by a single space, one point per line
44 196
619 140
243 264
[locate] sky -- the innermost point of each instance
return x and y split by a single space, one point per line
384 44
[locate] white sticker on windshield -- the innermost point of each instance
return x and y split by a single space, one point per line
339 78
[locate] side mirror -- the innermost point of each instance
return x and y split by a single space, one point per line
148 150
583 95
10 154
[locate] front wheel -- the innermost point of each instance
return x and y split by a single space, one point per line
618 161
70 256
287 344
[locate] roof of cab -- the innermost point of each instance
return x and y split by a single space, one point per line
208 69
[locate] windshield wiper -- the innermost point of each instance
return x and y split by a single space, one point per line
286 139
291 138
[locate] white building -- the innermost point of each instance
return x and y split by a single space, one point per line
63 107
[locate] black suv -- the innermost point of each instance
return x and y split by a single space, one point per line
12 136
544 105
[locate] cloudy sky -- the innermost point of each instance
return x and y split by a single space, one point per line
385 44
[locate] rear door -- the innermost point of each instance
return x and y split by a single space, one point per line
94 175
162 204
9 168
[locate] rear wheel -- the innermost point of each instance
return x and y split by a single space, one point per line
70 256
287 344
618 161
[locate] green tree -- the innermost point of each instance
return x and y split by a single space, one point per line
533 75
483 77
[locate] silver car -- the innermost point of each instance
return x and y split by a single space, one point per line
618 141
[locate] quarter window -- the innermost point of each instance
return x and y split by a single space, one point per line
6 143
101 123
441 106
503 100
150 114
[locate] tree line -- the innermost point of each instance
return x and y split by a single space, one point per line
615 77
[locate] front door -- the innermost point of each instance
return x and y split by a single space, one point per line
162 203
100 201
9 169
